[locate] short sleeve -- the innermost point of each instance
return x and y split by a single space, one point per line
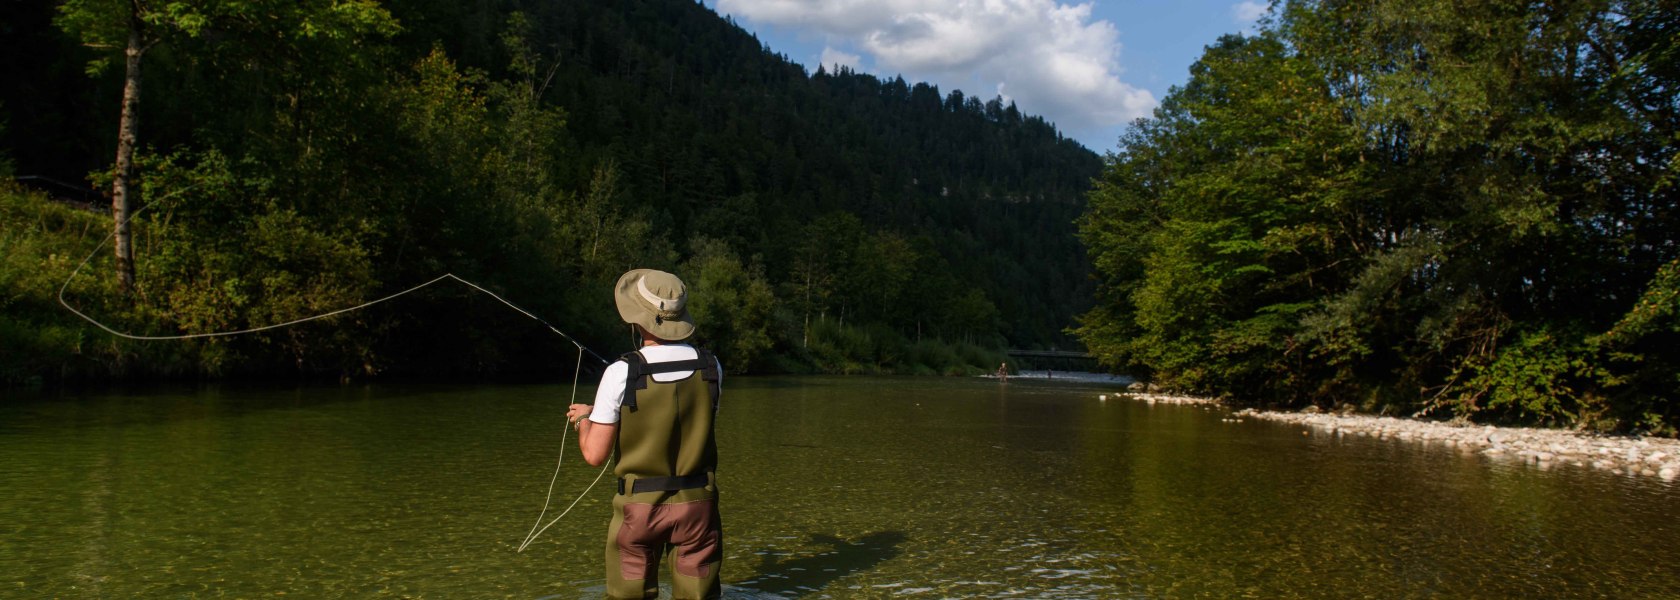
610 394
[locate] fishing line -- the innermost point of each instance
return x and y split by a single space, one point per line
576 371
531 536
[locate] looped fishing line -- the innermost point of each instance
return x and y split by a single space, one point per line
531 536
576 372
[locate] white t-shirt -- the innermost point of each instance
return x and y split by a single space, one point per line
610 394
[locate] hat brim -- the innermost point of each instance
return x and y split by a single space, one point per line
674 329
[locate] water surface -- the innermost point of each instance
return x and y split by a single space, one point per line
832 487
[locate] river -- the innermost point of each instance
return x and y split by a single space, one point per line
833 487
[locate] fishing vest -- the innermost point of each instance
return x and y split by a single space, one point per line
665 439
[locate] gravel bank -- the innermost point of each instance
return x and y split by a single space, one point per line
1153 398
1647 457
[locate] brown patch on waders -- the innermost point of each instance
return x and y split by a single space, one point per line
645 531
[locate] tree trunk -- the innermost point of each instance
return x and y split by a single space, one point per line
122 194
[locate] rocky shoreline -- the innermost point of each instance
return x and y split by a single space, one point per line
1625 455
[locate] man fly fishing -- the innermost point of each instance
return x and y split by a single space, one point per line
654 409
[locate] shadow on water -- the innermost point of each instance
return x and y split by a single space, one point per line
833 559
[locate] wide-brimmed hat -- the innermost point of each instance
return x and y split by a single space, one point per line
656 300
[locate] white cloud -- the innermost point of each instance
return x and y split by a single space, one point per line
831 57
1247 12
1053 58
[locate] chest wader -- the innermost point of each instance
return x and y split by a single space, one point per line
666 506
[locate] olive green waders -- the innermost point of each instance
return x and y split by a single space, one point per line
666 506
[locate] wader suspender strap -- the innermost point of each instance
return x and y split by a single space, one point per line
637 378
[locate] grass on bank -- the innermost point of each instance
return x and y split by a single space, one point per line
41 243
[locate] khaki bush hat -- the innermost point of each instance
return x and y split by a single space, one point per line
656 300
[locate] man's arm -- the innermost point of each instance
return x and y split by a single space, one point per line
595 440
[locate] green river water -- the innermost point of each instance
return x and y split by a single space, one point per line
831 488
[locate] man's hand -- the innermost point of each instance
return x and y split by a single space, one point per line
578 412
595 440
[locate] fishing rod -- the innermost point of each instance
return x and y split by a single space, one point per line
576 371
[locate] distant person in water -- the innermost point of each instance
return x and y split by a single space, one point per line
655 409
1003 371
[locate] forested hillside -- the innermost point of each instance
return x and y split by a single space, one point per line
1456 209
294 158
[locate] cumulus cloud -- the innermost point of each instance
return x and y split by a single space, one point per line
1054 59
832 57
1247 11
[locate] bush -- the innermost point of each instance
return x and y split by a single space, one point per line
932 357
878 349
41 242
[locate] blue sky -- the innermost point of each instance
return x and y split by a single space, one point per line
1088 67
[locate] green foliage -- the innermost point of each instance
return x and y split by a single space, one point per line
1535 377
930 357
839 349
876 349
1657 311
726 140
41 243
303 157
732 304
1211 228
975 360
1635 358
1407 206
106 24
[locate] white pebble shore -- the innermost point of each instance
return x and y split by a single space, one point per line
1626 455
1154 398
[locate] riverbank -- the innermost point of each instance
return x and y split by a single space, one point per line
1543 448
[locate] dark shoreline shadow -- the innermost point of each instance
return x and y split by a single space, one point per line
799 576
